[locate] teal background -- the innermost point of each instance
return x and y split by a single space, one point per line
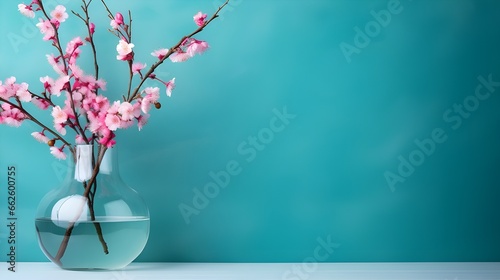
323 175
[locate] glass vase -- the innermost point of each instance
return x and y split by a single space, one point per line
94 220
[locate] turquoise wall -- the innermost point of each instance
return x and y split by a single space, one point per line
369 125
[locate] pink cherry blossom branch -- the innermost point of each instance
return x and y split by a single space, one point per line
136 93
127 34
44 97
69 123
55 42
86 20
36 121
76 126
90 39
32 118
126 28
116 114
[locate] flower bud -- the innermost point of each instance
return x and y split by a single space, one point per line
119 18
157 105
51 143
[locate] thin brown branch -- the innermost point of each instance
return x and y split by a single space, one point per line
151 70
44 97
36 121
69 230
57 44
56 35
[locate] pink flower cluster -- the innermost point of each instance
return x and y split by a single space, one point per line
117 22
200 19
27 10
85 111
11 89
47 26
188 49
9 113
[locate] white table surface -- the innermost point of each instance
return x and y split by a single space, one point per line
263 271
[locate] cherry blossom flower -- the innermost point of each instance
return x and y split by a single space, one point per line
180 56
100 103
92 28
11 121
126 124
76 71
146 105
119 18
126 110
152 96
40 137
59 115
59 13
47 82
160 54
170 86
107 139
96 121
3 92
78 99
142 121
68 109
26 10
7 90
59 85
54 87
58 152
22 92
46 29
137 108
137 67
54 62
110 143
10 81
60 128
72 48
11 89
124 50
112 121
11 116
117 21
200 19
197 47
113 109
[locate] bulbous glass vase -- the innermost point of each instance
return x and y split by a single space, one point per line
94 220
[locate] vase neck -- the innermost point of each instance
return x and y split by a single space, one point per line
86 159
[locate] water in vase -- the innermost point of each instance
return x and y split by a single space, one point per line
125 238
